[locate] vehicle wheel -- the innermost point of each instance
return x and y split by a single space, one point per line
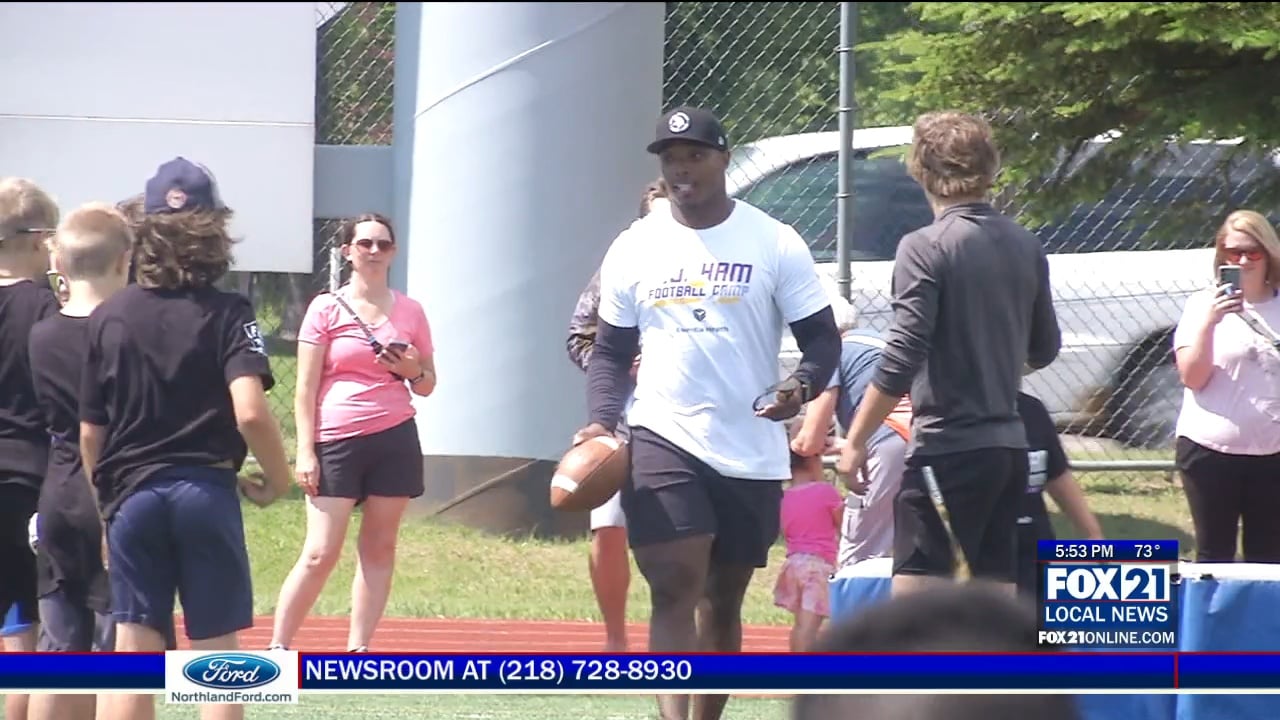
1147 410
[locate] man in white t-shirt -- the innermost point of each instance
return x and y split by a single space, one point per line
708 288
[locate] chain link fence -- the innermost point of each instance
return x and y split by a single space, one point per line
1122 267
771 71
355 53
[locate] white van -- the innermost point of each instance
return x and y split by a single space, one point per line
1118 293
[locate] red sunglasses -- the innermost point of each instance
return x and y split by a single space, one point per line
1253 255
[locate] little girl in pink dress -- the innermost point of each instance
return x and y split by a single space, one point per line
812 510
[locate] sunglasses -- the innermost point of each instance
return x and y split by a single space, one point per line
57 282
367 244
1236 255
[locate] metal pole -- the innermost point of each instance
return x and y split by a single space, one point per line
335 268
844 194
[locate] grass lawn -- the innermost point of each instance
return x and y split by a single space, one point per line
451 571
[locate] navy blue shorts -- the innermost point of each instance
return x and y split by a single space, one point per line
181 532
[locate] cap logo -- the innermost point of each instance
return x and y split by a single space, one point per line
678 123
175 199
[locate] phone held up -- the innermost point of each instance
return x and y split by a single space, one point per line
1229 275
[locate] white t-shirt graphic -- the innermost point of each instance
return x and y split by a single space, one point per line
711 306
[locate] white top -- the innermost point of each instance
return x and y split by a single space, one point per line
711 306
1238 410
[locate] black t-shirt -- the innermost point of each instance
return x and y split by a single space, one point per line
24 444
1047 460
156 375
70 556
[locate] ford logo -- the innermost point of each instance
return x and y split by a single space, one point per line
231 671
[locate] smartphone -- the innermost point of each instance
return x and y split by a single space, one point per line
399 346
1229 275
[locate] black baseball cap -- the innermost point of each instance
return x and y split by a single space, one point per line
689 124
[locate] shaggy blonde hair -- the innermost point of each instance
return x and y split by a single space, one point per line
1256 226
953 155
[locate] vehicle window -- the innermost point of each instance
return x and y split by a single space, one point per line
887 204
1126 218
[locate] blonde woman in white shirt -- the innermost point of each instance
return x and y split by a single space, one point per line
1228 356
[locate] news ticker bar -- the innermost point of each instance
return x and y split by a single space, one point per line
780 672
1107 550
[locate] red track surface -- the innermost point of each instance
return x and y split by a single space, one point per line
438 635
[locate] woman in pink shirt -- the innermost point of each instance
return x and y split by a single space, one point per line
1228 354
363 352
812 510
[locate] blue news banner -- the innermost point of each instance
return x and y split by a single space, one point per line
1046 671
1108 594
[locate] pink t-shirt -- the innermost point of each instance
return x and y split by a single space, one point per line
1238 410
357 396
809 519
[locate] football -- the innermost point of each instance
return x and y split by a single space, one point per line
589 474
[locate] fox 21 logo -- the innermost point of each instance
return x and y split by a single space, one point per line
1128 583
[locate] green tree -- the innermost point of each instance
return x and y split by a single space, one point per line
1051 76
771 68
355 56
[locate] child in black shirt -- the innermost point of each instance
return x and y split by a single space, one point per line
90 253
1048 470
174 385
27 219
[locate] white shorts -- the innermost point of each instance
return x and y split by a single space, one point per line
609 514
867 530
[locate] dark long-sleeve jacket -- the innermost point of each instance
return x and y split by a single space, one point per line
972 306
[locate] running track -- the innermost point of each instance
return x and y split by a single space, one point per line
321 634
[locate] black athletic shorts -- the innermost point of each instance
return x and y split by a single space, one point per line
17 559
982 490
671 494
384 464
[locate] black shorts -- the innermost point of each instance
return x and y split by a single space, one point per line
17 560
671 494
982 490
386 464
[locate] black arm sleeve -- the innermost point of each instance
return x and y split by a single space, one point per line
609 373
819 341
